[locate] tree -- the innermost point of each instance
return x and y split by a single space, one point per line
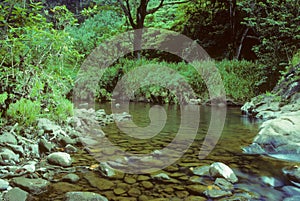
141 10
276 26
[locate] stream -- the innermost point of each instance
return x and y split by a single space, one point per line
260 175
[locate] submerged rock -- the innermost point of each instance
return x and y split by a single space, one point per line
34 186
84 196
219 169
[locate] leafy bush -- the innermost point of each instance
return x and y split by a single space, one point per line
240 79
24 111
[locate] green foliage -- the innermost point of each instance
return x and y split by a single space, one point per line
60 109
37 63
296 59
241 79
62 17
276 24
24 111
238 78
93 30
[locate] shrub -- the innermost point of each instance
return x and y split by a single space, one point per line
24 111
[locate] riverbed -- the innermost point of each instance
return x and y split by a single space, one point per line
260 175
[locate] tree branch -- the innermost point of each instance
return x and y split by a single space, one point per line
127 12
165 4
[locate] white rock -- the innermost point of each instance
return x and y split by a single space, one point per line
219 169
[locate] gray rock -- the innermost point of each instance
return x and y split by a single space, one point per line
15 194
271 181
34 186
47 125
293 174
67 140
219 169
17 149
3 184
45 146
8 138
70 149
106 170
33 150
29 167
60 158
224 184
201 171
216 193
8 157
84 196
279 137
161 176
72 178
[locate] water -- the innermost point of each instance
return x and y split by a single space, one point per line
254 172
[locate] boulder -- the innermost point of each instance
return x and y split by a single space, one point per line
278 137
219 169
60 158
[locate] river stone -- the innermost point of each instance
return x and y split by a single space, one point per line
60 158
196 189
70 149
129 180
216 193
195 198
293 174
161 176
280 137
18 149
143 178
8 138
224 184
108 171
29 167
3 184
134 192
34 186
45 146
47 125
72 178
219 169
201 171
119 191
15 194
147 184
271 181
8 157
98 182
84 196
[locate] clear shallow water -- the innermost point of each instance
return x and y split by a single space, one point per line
238 132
